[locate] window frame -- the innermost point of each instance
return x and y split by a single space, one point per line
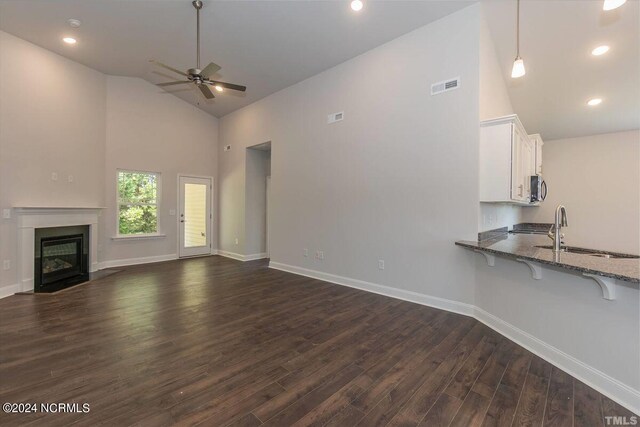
158 232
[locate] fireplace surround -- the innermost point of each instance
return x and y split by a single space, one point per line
32 218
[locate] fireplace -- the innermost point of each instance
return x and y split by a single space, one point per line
61 257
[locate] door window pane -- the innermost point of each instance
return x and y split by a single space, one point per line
195 215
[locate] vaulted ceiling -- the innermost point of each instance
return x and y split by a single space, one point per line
265 45
556 40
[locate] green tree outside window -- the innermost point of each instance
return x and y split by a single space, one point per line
137 202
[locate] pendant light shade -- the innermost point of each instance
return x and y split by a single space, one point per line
518 65
612 4
518 68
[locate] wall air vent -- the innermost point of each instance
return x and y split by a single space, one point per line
445 86
335 117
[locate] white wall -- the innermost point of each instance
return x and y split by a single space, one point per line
258 167
52 119
597 179
396 180
59 116
150 130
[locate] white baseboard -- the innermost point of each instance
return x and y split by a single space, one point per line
254 257
610 387
441 303
7 291
594 378
136 261
241 257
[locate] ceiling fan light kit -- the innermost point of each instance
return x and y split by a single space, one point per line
200 77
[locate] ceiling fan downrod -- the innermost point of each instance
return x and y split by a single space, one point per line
198 5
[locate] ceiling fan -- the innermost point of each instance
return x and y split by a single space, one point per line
200 77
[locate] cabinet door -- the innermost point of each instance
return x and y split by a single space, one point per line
538 167
518 165
529 165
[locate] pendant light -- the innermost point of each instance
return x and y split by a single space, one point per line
612 4
518 65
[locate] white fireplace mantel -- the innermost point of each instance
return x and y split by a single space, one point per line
32 217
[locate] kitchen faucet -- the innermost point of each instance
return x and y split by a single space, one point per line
554 233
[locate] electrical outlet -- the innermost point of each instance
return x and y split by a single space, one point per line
6 213
54 176
381 264
6 264
172 212
236 240
305 252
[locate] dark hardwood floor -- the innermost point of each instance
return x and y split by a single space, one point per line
214 341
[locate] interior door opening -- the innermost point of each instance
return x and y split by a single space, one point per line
258 189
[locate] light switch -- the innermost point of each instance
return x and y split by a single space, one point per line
70 178
6 213
54 176
172 212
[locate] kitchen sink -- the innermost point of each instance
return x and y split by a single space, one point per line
592 252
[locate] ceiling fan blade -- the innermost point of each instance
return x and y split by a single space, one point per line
173 83
206 91
210 70
169 68
227 85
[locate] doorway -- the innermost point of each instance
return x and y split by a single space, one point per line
257 201
195 218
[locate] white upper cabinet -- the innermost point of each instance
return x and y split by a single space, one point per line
538 143
508 158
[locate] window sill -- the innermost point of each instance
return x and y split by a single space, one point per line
139 237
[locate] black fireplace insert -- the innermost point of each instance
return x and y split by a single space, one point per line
61 257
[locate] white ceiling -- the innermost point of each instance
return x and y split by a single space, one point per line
265 45
556 38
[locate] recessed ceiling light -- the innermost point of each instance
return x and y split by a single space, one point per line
595 101
219 88
357 5
600 50
612 4
69 40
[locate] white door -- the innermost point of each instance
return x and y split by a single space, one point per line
195 216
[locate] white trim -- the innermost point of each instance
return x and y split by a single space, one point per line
594 378
30 218
138 236
231 255
7 291
240 257
431 301
135 261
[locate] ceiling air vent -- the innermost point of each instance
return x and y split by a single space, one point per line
445 86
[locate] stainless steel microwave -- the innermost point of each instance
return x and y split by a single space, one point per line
538 189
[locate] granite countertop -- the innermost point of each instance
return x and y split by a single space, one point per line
524 246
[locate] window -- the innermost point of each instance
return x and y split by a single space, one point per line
138 202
